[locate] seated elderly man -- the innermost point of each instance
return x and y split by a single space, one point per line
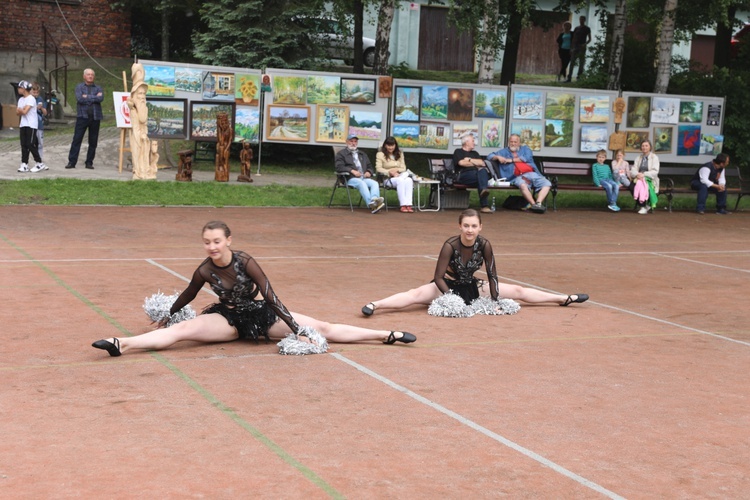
516 165
471 170
354 162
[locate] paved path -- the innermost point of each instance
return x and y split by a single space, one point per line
105 165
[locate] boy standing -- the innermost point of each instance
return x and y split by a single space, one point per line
41 112
602 175
26 109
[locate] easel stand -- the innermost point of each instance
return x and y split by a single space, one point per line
123 131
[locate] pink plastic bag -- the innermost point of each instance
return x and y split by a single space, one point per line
640 191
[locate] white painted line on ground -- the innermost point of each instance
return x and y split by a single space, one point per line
702 263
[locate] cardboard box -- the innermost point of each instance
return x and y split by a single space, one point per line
10 119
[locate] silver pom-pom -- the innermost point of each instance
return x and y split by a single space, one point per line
485 305
158 305
292 345
449 305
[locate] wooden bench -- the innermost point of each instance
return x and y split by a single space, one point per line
553 169
453 194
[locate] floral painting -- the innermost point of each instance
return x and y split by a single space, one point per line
247 90
662 139
492 134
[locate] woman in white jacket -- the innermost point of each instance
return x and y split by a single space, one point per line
645 166
390 163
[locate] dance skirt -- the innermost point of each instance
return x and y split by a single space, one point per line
251 322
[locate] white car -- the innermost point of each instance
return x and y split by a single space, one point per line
338 44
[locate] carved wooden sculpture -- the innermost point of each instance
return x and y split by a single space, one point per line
225 135
245 156
185 168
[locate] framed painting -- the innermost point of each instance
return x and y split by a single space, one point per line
492 134
247 89
357 91
460 104
460 130
288 123
593 138
290 90
188 80
490 104
407 104
333 123
406 135
691 111
594 109
323 89
160 79
218 86
634 139
688 140
203 119
434 135
558 133
385 87
434 102
527 105
711 144
560 106
247 124
639 112
367 125
167 118
662 139
665 110
530 134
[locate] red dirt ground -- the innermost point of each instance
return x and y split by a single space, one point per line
641 392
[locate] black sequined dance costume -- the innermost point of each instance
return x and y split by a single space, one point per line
457 264
238 285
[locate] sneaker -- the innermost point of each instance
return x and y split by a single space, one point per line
485 210
379 206
23 168
614 208
39 167
722 211
538 208
528 206
642 211
373 203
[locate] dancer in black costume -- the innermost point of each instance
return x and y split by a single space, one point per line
238 280
461 257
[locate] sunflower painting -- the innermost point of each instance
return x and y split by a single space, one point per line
663 139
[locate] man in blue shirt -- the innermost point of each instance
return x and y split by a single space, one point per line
89 97
516 165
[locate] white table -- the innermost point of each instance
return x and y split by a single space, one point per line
434 186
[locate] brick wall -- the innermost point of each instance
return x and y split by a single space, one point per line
102 31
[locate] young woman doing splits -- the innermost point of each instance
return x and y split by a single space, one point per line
461 257
248 308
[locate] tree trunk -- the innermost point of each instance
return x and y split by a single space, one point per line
617 51
359 12
164 31
666 40
383 37
512 41
487 52
723 42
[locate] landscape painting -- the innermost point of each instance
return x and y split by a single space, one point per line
247 90
434 102
160 80
187 79
434 135
323 89
460 130
492 134
406 135
289 90
367 125
288 123
407 104
558 133
247 124
639 112
665 110
593 138
530 134
333 123
560 106
357 91
527 105
490 104
691 111
167 118
203 119
688 140
594 109
663 139
460 104
711 144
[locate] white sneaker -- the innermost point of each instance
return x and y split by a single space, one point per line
23 168
39 167
643 211
378 207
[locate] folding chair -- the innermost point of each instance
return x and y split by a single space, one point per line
341 182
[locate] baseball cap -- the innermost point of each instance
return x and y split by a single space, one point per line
23 84
351 136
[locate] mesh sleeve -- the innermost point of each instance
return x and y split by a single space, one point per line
255 273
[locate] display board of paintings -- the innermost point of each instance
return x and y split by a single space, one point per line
321 108
681 129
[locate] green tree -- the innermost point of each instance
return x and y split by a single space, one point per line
259 33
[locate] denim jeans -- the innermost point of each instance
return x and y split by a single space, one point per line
612 189
475 177
75 147
367 187
703 190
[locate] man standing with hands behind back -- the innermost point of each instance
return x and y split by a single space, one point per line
581 38
710 178
89 97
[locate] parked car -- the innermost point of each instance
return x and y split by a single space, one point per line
338 44
739 37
